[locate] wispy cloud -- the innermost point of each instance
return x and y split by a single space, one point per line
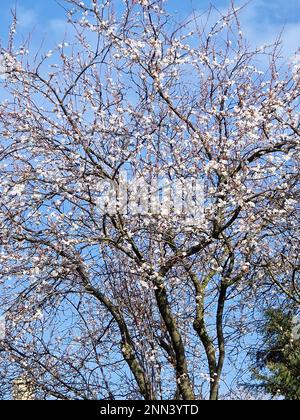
27 18
263 23
58 26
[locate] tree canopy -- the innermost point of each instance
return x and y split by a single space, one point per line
278 363
102 304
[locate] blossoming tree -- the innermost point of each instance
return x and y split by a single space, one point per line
100 305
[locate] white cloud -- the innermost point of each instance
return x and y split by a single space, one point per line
261 30
262 24
58 26
27 18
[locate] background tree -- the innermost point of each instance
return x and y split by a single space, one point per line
101 305
278 362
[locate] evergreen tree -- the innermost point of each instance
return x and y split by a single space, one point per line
277 365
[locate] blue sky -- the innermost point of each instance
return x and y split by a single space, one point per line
262 19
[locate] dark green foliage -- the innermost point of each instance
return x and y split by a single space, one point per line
277 364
